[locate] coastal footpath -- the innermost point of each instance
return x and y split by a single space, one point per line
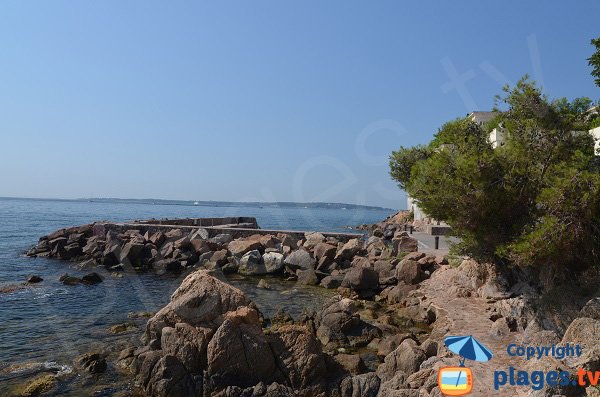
380 334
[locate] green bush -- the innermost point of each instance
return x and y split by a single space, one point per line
534 200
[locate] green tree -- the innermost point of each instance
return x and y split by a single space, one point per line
402 160
531 201
594 61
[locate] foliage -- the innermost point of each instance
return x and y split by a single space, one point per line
532 201
594 123
402 160
454 260
594 61
401 255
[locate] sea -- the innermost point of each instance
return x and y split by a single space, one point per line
44 327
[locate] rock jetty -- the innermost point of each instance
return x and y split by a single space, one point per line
380 335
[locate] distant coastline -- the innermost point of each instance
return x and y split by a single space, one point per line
198 203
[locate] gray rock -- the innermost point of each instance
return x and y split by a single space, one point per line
391 343
404 244
352 363
221 239
69 280
91 279
219 258
299 356
365 385
591 309
324 250
94 363
240 247
170 378
132 254
34 279
409 271
188 344
384 269
406 358
300 259
273 262
361 279
251 264
331 282
307 277
350 249
340 325
201 301
239 354
312 239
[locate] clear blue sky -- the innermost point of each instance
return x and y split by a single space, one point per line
259 100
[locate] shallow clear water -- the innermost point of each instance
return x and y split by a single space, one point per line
51 323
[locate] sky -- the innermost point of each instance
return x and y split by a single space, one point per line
260 100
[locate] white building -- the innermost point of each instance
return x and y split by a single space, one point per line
412 206
596 134
497 137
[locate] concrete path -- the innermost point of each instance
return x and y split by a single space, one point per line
471 316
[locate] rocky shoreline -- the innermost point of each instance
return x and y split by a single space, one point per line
381 335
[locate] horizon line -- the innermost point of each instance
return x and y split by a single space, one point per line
193 201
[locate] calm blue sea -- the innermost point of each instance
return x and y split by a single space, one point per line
49 323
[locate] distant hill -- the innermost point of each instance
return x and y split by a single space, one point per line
278 204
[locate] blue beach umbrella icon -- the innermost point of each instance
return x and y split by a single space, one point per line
468 348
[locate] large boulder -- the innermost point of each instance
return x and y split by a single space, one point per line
352 363
201 301
239 247
350 249
331 282
365 385
341 325
591 309
377 247
157 238
273 262
251 264
361 279
169 377
312 239
91 278
94 363
584 331
406 358
307 277
188 344
239 353
404 244
93 246
325 250
390 343
300 259
299 355
385 270
409 271
218 258
396 293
